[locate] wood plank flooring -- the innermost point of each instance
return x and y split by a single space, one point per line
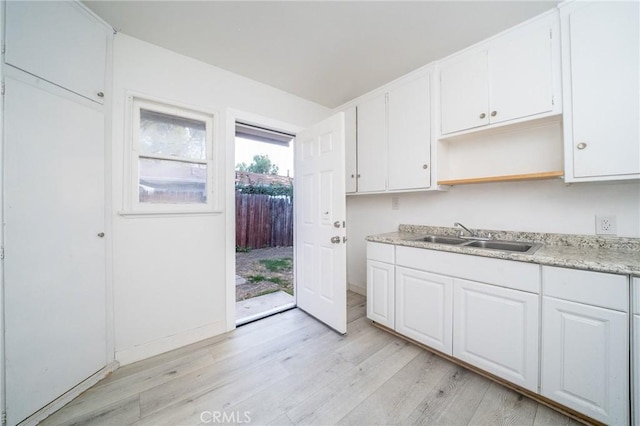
290 369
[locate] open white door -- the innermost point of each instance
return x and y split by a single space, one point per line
320 213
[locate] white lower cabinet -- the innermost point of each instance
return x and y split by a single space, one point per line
496 329
424 308
381 293
585 348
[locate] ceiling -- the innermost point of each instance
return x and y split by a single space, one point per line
328 52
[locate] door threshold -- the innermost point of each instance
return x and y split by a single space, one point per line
265 314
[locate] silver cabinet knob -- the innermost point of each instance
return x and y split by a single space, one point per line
100 94
358 175
352 176
483 115
425 166
101 234
581 145
494 113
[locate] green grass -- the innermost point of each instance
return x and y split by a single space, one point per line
256 278
277 264
262 293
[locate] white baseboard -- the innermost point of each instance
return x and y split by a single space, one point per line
157 347
68 396
358 289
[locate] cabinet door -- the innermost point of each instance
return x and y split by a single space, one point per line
57 41
520 76
496 329
636 369
350 151
464 92
380 293
54 289
409 135
604 85
585 358
372 145
424 308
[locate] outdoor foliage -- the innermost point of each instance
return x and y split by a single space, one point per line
261 164
277 264
275 189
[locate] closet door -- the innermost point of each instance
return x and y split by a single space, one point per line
55 298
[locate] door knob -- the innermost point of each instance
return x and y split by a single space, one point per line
335 240
336 224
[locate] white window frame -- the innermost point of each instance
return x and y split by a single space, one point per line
132 197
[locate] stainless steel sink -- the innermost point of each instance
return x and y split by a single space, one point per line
515 246
510 246
440 239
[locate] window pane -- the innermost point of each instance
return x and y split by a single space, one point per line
163 134
172 182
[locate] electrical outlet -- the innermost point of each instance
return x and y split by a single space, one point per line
395 203
606 225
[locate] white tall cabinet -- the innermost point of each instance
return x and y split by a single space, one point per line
55 296
600 52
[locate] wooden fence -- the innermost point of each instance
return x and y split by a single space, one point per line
263 221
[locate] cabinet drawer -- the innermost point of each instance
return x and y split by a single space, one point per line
504 273
381 252
592 288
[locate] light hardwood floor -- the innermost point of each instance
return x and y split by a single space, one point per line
290 369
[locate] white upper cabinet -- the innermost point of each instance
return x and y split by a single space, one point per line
394 138
600 53
464 90
372 145
512 77
409 135
520 75
350 150
60 42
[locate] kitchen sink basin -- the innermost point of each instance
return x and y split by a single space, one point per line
505 246
510 246
439 239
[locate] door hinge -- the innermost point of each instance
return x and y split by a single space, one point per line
2 47
2 258
2 88
553 101
4 418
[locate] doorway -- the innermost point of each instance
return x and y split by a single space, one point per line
264 222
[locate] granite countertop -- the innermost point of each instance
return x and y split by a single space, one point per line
594 253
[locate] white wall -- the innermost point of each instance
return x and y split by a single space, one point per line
537 206
169 272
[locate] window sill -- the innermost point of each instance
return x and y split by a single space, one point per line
168 213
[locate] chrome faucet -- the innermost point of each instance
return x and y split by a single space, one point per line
471 234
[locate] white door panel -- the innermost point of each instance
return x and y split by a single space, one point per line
425 308
381 293
585 359
55 299
320 206
497 330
